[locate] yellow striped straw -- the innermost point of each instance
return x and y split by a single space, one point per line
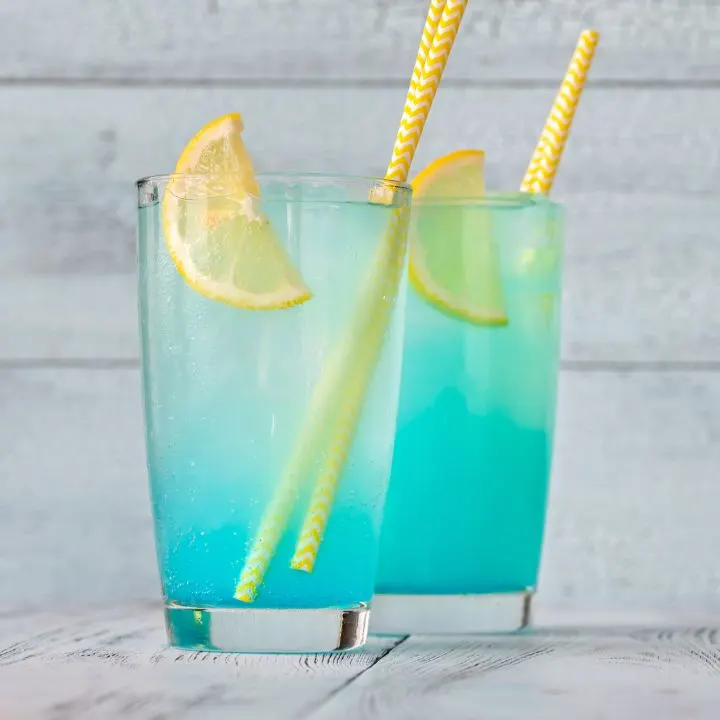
544 163
421 94
323 405
334 379
407 137
353 394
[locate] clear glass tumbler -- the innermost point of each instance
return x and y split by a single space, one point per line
270 431
465 513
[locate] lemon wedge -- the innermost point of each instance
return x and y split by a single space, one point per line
454 264
221 243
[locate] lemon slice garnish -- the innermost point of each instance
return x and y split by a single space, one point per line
454 263
221 243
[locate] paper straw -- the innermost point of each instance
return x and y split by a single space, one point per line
318 416
546 158
407 139
353 394
417 108
327 392
535 163
267 538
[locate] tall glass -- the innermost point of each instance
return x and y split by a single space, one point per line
227 395
464 519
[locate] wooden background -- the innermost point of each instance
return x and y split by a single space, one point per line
96 94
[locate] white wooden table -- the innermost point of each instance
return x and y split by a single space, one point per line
117 665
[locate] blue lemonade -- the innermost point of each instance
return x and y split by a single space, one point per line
466 506
226 394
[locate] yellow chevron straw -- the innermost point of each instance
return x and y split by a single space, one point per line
404 147
546 158
376 301
354 387
387 265
423 86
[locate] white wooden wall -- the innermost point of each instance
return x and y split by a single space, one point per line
95 93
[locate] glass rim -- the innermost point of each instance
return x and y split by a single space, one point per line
492 200
299 176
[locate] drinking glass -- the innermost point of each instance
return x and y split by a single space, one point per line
228 393
463 528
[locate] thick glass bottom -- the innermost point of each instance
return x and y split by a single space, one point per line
450 614
266 631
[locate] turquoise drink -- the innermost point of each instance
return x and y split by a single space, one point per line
465 512
226 392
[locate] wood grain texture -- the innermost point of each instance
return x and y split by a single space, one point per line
545 676
640 286
117 665
292 39
632 522
134 636
634 490
109 665
67 201
74 512
641 255
69 318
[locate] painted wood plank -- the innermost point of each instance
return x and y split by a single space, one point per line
256 39
663 676
111 665
69 317
640 286
632 524
641 259
134 636
634 490
105 665
67 200
74 512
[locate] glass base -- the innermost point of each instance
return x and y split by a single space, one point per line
266 631
450 614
